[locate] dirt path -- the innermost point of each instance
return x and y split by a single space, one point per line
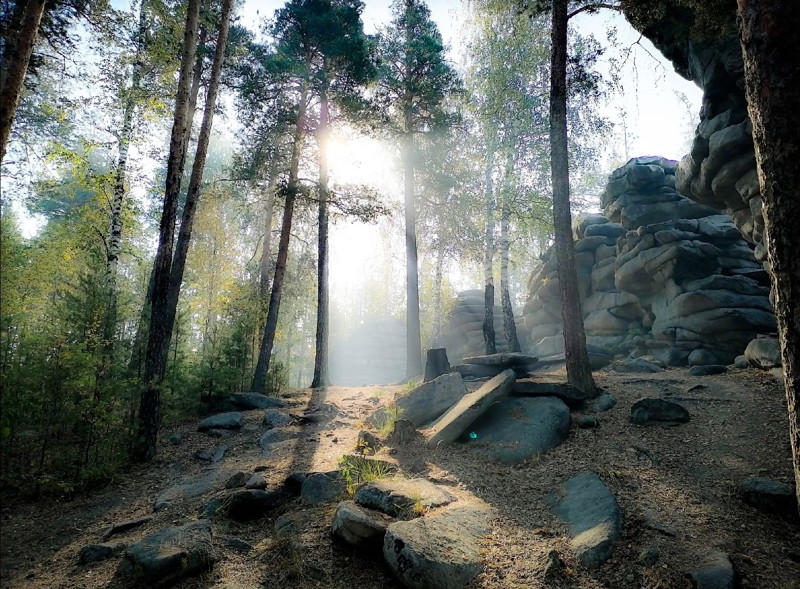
676 487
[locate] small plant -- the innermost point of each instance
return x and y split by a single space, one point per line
390 417
357 470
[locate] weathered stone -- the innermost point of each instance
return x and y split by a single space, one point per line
708 370
126 526
255 503
637 366
400 497
425 402
506 360
275 436
571 396
440 550
170 555
98 552
604 402
359 527
320 488
741 362
587 422
189 488
238 480
647 411
275 418
764 353
701 357
768 495
592 514
256 481
518 428
214 455
231 420
453 423
717 574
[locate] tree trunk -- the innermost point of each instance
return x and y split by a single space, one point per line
768 32
14 66
271 325
437 290
198 166
488 270
321 347
579 373
436 364
413 331
118 200
159 332
264 265
509 325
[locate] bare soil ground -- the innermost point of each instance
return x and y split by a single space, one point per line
676 487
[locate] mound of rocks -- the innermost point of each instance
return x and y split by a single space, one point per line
462 333
658 274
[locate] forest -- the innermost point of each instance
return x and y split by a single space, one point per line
190 189
242 232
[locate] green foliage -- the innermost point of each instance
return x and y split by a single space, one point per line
357 470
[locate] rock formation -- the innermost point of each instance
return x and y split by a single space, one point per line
658 274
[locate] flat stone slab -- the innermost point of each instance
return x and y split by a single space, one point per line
570 395
230 420
592 514
708 370
424 403
98 552
506 360
518 428
440 550
471 406
399 497
170 555
359 527
648 411
638 366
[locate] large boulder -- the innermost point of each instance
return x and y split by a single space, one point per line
592 514
361 528
768 495
230 420
402 498
764 353
424 403
170 555
648 411
253 504
518 428
440 550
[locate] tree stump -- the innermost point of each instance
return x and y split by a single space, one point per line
436 364
403 433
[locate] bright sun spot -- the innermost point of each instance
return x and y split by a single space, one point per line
355 159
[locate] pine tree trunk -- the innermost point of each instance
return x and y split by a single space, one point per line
488 269
579 373
271 325
155 365
768 32
198 167
264 265
510 327
321 346
14 66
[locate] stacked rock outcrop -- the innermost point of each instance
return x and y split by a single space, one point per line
720 170
462 334
657 273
